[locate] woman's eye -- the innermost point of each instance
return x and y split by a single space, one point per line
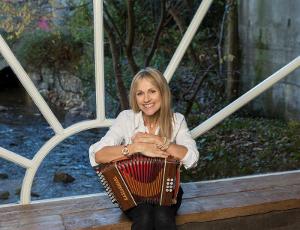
152 91
139 94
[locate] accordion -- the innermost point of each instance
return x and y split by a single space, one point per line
140 179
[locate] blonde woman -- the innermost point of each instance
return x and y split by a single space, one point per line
142 129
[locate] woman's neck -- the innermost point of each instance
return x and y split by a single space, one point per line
150 121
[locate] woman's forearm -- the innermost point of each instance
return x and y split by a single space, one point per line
177 151
110 153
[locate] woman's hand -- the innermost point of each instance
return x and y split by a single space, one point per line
150 150
146 144
147 138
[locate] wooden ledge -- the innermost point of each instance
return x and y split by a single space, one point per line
203 201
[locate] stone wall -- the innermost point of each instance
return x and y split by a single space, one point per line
269 35
62 89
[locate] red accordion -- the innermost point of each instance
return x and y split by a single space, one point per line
140 179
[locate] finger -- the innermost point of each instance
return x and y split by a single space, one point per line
166 154
144 140
138 134
163 156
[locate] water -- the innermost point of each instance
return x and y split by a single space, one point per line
23 130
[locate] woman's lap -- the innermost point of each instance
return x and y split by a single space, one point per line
148 216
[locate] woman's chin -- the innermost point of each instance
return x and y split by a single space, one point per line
149 112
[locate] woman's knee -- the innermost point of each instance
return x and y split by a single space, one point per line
165 218
142 217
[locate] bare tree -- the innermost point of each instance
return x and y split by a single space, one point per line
122 41
231 50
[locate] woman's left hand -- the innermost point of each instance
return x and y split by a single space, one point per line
146 138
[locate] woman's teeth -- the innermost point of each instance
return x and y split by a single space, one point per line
148 106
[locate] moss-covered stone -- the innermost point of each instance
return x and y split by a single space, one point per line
4 195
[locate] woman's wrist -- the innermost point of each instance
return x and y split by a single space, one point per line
160 140
164 144
132 148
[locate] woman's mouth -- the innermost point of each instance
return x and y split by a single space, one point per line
148 106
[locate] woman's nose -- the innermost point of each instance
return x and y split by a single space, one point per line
147 98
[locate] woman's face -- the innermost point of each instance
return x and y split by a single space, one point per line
148 97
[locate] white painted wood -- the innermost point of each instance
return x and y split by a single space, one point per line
15 158
99 59
245 98
48 146
187 38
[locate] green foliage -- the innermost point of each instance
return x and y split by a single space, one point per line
243 146
14 18
80 24
49 50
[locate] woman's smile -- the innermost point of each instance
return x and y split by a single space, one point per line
148 97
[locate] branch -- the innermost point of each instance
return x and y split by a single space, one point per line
117 8
182 27
193 97
122 92
114 27
221 40
130 37
157 33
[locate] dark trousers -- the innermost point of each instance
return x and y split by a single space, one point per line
150 217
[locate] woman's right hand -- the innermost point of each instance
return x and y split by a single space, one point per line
150 150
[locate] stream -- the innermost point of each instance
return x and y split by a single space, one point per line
23 130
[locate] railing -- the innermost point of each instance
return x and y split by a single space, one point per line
100 121
245 98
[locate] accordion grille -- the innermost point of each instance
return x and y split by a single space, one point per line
141 179
144 177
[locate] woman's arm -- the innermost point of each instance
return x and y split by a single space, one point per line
175 150
184 148
110 153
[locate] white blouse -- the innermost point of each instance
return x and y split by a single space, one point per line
128 123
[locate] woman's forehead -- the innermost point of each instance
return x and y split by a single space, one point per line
145 83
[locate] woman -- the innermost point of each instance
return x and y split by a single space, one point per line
152 129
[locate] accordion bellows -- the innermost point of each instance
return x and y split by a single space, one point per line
141 179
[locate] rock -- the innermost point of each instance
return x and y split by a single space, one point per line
44 92
34 194
43 86
63 177
3 108
3 176
87 186
13 144
4 195
18 191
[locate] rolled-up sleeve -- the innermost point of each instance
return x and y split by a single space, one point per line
185 138
113 137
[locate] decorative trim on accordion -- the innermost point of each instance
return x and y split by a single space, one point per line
140 179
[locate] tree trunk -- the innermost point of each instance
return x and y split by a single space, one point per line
231 50
122 92
130 37
157 33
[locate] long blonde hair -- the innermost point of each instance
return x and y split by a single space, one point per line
165 118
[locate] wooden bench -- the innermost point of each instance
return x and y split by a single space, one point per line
259 202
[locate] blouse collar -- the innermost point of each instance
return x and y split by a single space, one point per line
139 123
